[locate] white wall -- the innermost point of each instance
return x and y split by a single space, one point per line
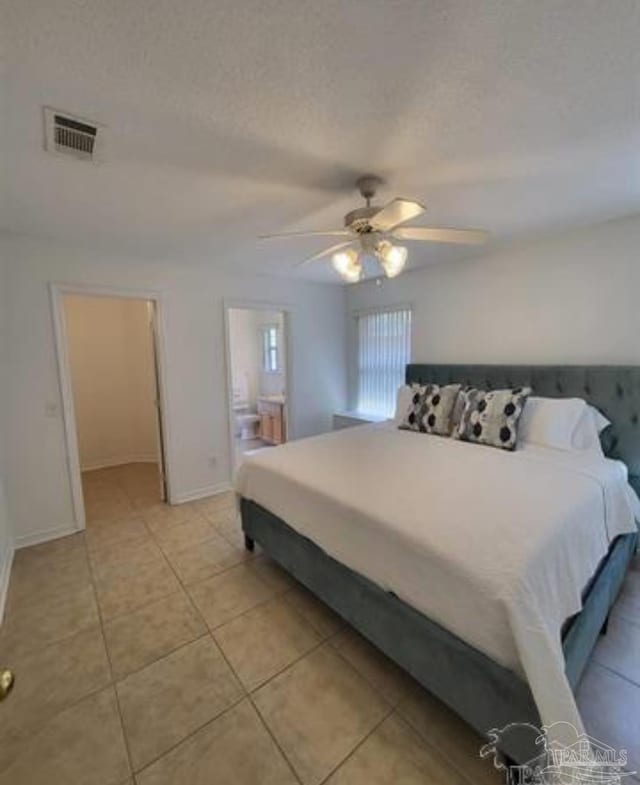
6 545
570 299
110 347
6 538
197 407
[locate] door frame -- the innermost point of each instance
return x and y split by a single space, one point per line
287 319
57 293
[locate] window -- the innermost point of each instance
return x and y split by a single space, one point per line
270 349
384 348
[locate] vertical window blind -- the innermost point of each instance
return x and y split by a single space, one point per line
384 348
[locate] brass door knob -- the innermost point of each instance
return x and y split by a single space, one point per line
6 683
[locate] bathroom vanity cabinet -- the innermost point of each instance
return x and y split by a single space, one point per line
272 426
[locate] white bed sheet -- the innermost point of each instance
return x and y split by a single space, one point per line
495 546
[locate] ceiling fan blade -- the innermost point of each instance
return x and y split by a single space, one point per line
324 253
395 213
293 235
435 235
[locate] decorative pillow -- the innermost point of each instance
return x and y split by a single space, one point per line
431 408
403 401
491 417
458 408
410 420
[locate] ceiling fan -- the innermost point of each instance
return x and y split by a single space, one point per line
369 231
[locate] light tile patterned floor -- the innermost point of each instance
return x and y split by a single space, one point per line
153 649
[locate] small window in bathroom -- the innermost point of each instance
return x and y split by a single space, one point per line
270 349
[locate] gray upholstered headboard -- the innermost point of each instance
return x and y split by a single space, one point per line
614 389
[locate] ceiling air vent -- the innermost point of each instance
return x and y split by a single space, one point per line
70 135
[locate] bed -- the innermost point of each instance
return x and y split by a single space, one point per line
462 607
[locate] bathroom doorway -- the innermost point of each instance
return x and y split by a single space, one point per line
257 371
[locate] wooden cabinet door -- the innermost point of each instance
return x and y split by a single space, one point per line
266 427
277 428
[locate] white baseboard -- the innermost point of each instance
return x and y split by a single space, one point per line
44 535
107 463
201 493
5 573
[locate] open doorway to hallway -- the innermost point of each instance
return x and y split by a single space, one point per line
113 364
256 345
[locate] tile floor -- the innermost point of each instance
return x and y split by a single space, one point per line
153 649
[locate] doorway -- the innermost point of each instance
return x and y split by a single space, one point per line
108 347
257 379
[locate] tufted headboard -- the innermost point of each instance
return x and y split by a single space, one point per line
613 389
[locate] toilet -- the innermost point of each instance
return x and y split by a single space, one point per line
246 418
247 425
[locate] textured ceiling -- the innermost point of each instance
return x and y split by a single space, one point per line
226 119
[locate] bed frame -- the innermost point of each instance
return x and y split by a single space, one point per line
481 691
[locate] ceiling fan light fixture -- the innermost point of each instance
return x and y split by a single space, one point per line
354 273
343 260
367 232
347 264
392 258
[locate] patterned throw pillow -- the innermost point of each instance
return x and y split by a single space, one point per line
491 417
458 408
411 418
431 408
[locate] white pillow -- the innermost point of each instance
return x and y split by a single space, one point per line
599 419
587 433
403 401
551 422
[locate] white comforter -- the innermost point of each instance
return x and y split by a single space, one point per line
495 546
